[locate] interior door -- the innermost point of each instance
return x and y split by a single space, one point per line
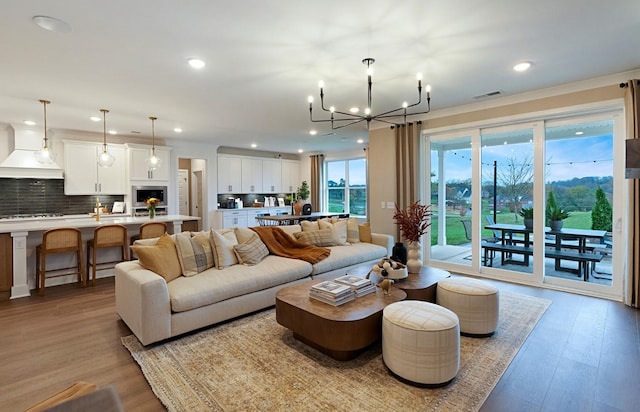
183 192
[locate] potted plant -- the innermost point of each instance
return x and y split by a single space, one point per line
556 217
303 191
527 215
413 222
302 194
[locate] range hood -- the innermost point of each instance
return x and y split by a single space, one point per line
21 144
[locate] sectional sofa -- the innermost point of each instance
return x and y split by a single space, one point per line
157 307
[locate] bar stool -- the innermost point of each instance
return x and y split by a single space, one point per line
56 241
107 236
152 229
149 230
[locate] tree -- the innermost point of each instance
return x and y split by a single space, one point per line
601 214
551 205
515 180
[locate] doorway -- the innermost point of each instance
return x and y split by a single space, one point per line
192 188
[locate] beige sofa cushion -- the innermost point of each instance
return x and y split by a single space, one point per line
343 256
214 285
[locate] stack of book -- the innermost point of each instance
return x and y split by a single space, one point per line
332 293
359 285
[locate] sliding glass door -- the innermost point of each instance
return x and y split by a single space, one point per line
450 187
580 187
507 178
495 190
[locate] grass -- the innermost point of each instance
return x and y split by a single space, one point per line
455 231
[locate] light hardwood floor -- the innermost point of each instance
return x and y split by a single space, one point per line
584 354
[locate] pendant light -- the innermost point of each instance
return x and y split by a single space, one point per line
153 161
45 155
105 159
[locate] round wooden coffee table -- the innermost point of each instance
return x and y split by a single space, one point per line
341 332
419 286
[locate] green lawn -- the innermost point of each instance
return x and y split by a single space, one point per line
455 230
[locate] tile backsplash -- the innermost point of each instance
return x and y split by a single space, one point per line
39 196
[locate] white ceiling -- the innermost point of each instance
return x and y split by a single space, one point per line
265 57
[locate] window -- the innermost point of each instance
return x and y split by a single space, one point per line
347 187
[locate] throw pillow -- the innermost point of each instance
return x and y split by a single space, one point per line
338 228
353 234
243 234
365 232
223 241
321 238
161 258
252 251
307 225
195 253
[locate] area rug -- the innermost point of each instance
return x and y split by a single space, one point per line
254 364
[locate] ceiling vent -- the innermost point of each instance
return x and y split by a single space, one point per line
487 95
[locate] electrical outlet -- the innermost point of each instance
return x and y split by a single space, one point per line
382 204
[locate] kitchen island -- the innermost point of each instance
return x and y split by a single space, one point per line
26 234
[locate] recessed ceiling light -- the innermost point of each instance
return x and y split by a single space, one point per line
579 133
95 118
300 150
177 130
360 141
112 132
354 110
254 145
196 63
522 67
51 24
29 122
313 132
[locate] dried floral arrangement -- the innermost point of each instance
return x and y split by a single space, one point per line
414 221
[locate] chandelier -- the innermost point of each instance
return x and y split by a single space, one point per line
340 119
45 155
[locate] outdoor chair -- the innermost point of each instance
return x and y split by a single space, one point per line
466 223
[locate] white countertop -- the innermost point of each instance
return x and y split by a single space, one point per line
80 221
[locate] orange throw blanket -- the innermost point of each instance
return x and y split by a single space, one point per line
280 243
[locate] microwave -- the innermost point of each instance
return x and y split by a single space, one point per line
142 193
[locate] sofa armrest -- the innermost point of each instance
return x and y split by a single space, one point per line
142 301
383 240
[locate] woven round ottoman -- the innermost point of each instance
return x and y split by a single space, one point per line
475 302
421 342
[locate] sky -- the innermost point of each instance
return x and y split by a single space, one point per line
566 158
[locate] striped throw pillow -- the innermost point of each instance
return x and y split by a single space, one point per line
252 251
195 253
322 237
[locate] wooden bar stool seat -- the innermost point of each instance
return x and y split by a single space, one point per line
106 237
149 230
57 241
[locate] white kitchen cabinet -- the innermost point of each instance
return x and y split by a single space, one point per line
138 170
226 219
251 175
290 176
83 176
271 176
229 174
